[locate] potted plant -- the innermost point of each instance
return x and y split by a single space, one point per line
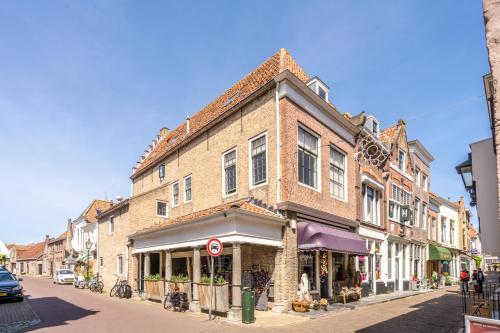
220 296
154 286
180 282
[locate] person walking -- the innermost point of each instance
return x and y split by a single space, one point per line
480 280
464 280
474 281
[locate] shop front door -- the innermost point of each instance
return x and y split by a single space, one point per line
371 273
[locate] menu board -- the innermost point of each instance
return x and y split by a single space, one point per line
481 325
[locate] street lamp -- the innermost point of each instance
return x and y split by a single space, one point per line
88 246
464 169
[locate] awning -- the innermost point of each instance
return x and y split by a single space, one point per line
439 253
315 236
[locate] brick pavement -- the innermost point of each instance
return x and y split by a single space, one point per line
15 316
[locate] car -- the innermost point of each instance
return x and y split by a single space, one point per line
10 288
64 276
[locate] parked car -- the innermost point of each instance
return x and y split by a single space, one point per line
10 288
63 276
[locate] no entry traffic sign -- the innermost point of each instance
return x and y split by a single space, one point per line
214 247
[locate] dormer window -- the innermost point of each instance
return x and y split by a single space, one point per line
375 128
319 87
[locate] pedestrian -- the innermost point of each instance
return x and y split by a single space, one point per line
480 280
464 280
474 281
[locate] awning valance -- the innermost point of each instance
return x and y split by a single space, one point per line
439 253
316 236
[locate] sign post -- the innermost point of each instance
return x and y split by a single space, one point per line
214 249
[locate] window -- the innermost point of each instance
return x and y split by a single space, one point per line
395 203
425 218
230 172
175 194
417 176
375 128
119 265
389 261
161 208
424 182
443 229
187 189
307 158
371 203
111 225
401 161
434 229
101 261
452 232
322 93
417 212
337 174
258 157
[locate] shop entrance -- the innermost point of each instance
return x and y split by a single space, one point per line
396 272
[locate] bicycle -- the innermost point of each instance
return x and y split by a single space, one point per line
96 286
121 289
175 300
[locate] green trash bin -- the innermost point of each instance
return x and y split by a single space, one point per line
247 307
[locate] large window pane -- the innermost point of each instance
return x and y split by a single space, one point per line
337 170
307 158
230 172
259 167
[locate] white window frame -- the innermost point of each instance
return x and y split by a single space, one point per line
184 180
375 207
404 161
224 194
417 212
250 161
397 204
425 181
118 257
166 208
111 226
178 193
318 162
346 170
425 212
417 176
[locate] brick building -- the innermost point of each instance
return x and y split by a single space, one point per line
29 259
55 254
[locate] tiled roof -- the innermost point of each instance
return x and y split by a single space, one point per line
242 204
276 64
62 236
32 251
95 206
390 133
112 208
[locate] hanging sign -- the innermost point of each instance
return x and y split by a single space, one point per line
214 247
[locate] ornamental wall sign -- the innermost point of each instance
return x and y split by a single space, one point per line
371 151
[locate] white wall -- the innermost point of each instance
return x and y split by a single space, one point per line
450 214
484 174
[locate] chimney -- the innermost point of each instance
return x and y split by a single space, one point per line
119 198
47 238
187 125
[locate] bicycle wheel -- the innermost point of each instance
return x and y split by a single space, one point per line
167 304
113 292
100 287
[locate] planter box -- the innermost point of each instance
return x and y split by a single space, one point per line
220 297
154 289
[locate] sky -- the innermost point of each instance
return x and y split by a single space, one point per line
86 85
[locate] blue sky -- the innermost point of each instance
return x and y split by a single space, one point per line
85 85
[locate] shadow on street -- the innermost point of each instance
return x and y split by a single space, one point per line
54 311
442 314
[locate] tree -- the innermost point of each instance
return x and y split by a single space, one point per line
3 259
478 260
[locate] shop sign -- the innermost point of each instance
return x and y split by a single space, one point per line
214 247
473 251
481 325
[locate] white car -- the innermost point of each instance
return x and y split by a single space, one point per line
63 276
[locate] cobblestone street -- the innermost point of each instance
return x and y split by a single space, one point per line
66 309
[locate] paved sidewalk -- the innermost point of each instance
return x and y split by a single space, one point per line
15 316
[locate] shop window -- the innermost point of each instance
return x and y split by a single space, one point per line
337 174
307 262
307 158
229 164
258 155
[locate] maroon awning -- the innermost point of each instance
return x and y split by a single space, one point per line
316 236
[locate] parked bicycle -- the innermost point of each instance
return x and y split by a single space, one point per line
175 300
95 285
121 289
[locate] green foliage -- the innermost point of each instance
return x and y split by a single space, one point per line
153 277
217 281
3 258
478 260
179 278
447 281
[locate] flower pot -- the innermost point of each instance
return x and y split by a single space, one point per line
300 306
220 297
154 289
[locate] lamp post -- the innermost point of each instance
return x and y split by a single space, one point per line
88 246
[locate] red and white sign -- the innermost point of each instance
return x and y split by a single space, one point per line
214 247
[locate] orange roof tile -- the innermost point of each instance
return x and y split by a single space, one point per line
390 133
95 206
276 64
33 251
243 204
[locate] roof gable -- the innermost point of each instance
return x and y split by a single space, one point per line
241 90
33 251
